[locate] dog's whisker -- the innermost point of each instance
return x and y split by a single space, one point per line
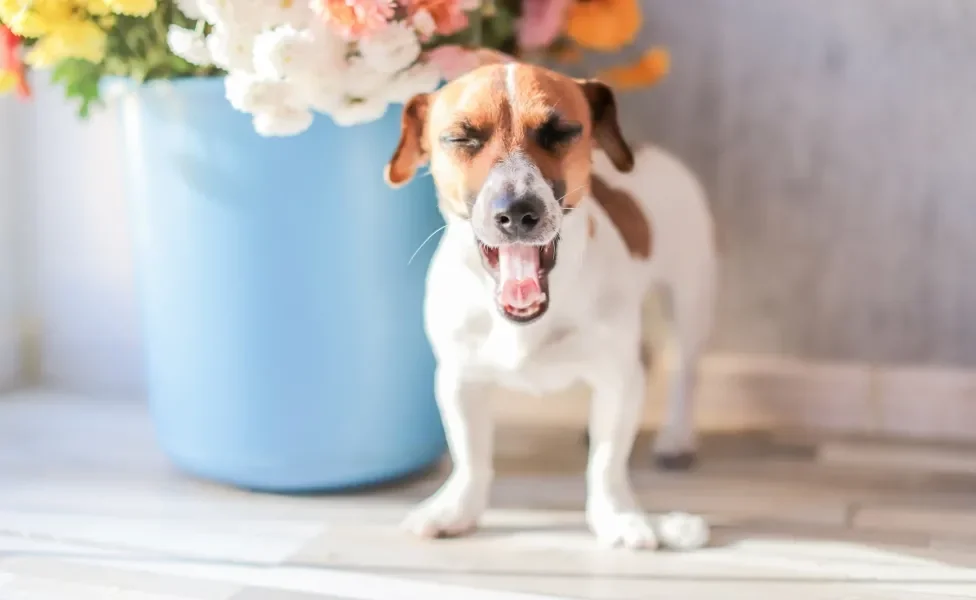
571 192
424 243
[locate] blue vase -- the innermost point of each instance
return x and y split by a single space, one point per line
284 325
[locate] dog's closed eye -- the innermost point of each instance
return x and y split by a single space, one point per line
556 132
465 137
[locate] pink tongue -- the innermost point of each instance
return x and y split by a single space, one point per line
518 268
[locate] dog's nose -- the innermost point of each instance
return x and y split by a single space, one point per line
517 217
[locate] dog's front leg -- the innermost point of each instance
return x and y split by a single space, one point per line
612 510
466 413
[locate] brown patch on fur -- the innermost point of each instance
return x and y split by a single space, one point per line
538 94
626 214
606 125
480 98
480 101
410 151
591 227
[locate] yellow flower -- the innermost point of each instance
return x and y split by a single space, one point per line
648 70
135 8
36 18
97 8
8 81
33 18
75 38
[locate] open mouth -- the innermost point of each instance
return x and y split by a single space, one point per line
522 274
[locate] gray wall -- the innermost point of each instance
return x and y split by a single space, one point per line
837 140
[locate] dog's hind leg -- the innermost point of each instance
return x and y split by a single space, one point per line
676 324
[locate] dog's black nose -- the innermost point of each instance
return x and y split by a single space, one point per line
517 217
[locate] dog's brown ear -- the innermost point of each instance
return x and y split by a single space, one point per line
606 127
411 151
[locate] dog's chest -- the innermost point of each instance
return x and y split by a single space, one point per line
535 361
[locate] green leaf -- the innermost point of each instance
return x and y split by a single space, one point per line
80 81
136 49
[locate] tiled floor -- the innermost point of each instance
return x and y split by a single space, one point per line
90 510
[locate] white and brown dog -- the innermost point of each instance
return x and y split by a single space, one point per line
551 263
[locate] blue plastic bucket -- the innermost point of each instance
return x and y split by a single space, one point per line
284 326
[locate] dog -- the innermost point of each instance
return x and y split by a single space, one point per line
565 252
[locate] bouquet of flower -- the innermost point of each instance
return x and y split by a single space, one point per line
285 60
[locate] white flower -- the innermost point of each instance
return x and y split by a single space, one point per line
422 78
302 54
238 15
391 49
470 5
355 111
283 64
267 14
190 8
189 45
359 80
214 11
424 23
284 121
249 93
276 50
297 13
231 48
320 94
329 51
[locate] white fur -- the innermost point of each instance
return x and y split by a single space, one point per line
511 86
597 321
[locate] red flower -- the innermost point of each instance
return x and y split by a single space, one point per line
11 61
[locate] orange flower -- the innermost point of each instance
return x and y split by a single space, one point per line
446 17
355 18
648 70
605 25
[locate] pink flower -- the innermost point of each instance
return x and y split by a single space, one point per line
541 23
453 61
355 18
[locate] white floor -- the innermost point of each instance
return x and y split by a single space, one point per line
89 509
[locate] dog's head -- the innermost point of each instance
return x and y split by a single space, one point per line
509 147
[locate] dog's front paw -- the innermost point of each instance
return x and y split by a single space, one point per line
682 531
617 529
454 510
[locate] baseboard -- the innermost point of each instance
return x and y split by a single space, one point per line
745 392
10 363
107 367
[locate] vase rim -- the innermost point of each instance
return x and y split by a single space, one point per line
195 81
